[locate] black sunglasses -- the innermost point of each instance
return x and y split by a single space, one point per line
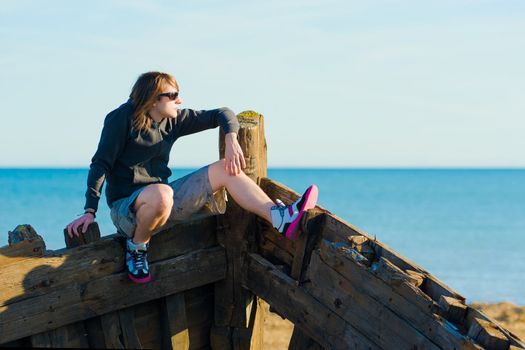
171 95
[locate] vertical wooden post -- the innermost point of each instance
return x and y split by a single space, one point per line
92 235
175 331
236 232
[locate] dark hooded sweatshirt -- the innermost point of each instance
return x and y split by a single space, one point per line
128 159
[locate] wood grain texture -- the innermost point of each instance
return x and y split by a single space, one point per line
92 234
293 302
237 232
402 298
84 263
79 301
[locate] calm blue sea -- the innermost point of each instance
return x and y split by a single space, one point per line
467 227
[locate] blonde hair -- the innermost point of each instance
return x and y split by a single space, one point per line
144 94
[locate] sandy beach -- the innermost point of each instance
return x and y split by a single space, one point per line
506 314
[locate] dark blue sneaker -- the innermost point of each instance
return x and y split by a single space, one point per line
137 261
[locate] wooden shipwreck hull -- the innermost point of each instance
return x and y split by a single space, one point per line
341 288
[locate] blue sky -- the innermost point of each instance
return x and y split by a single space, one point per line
340 83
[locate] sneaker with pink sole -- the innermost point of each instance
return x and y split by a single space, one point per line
286 218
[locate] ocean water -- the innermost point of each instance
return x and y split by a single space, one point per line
467 227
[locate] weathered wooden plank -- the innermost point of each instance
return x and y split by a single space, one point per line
299 254
77 301
183 238
85 263
454 310
250 337
392 275
473 315
92 234
278 249
95 333
366 314
22 233
221 337
148 323
403 298
273 252
41 340
20 251
127 326
292 301
200 335
241 338
79 329
267 232
74 335
306 241
256 324
176 333
488 335
301 341
24 343
363 246
415 278
112 331
199 315
69 336
24 243
337 230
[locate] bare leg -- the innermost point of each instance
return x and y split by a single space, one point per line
152 208
243 190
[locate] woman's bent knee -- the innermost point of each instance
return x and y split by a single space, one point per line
158 197
219 176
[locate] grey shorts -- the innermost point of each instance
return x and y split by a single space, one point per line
193 199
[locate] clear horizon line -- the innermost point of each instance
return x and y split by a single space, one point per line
300 167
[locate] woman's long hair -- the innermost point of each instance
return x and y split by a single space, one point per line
144 95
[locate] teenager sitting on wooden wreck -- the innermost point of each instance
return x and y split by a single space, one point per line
132 157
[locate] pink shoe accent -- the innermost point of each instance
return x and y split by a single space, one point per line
139 280
309 202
